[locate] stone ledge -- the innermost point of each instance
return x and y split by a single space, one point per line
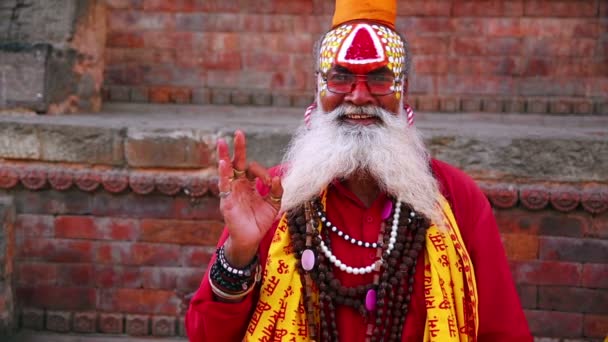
506 147
564 197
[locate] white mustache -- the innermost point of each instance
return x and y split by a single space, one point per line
347 109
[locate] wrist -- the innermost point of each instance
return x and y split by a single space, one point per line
239 255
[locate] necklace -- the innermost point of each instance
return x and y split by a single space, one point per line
385 301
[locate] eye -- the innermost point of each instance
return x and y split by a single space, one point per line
380 78
340 77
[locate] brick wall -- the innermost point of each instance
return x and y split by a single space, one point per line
95 253
512 55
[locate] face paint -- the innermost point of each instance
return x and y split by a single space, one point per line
361 48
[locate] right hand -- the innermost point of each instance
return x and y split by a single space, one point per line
248 215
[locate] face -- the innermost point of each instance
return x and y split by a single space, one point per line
375 54
360 94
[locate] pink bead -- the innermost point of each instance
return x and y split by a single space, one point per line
386 211
308 260
370 300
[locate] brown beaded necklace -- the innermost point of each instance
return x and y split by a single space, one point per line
395 279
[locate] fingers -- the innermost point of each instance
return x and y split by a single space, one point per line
223 152
276 192
225 175
256 170
239 161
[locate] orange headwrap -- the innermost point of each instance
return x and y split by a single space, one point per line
381 11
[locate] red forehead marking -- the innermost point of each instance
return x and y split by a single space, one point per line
361 51
362 47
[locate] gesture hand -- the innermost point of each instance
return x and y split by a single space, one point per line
247 214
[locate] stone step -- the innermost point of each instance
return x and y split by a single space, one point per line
505 146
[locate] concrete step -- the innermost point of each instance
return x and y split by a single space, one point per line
505 146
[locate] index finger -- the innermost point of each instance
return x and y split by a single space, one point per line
240 151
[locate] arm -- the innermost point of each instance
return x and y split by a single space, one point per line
501 317
249 216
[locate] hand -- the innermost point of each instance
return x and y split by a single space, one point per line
247 214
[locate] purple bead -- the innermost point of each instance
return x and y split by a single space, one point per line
386 211
308 260
370 300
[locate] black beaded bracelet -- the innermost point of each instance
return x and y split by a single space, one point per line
228 281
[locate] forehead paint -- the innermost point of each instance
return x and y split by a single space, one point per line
361 48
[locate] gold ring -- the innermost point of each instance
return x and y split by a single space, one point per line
238 173
275 199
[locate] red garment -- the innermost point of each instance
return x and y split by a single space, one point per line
500 314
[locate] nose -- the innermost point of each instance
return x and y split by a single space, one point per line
360 95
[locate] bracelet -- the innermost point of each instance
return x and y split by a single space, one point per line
230 282
229 296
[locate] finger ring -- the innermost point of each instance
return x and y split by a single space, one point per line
238 173
275 199
224 194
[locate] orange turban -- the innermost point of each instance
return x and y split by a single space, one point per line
382 11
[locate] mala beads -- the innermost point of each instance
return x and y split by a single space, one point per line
385 301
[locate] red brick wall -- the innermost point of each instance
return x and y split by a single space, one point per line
99 257
512 55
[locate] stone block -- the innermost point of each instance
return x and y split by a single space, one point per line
538 106
302 101
29 143
90 145
58 321
493 105
119 93
261 99
111 323
29 16
583 107
32 319
85 322
449 104
427 103
163 326
560 107
281 100
220 96
181 327
139 94
471 105
168 148
240 98
602 108
515 106
22 77
137 325
201 96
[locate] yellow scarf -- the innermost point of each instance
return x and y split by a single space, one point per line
449 289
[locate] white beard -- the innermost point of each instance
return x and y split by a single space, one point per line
392 153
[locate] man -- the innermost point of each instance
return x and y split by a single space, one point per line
359 235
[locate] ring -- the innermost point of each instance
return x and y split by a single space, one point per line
238 173
275 199
224 194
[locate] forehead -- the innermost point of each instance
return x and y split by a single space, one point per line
361 48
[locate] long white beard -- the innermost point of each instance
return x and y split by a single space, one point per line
392 153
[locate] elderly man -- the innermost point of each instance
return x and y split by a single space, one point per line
359 235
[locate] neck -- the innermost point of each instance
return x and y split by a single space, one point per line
363 186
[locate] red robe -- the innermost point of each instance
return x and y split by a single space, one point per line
500 314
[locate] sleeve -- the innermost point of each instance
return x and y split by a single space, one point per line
206 318
501 317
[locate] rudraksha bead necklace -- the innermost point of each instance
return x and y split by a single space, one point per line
406 236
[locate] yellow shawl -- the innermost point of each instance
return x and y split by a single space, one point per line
450 291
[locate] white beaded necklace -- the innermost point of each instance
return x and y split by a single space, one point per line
346 236
375 266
